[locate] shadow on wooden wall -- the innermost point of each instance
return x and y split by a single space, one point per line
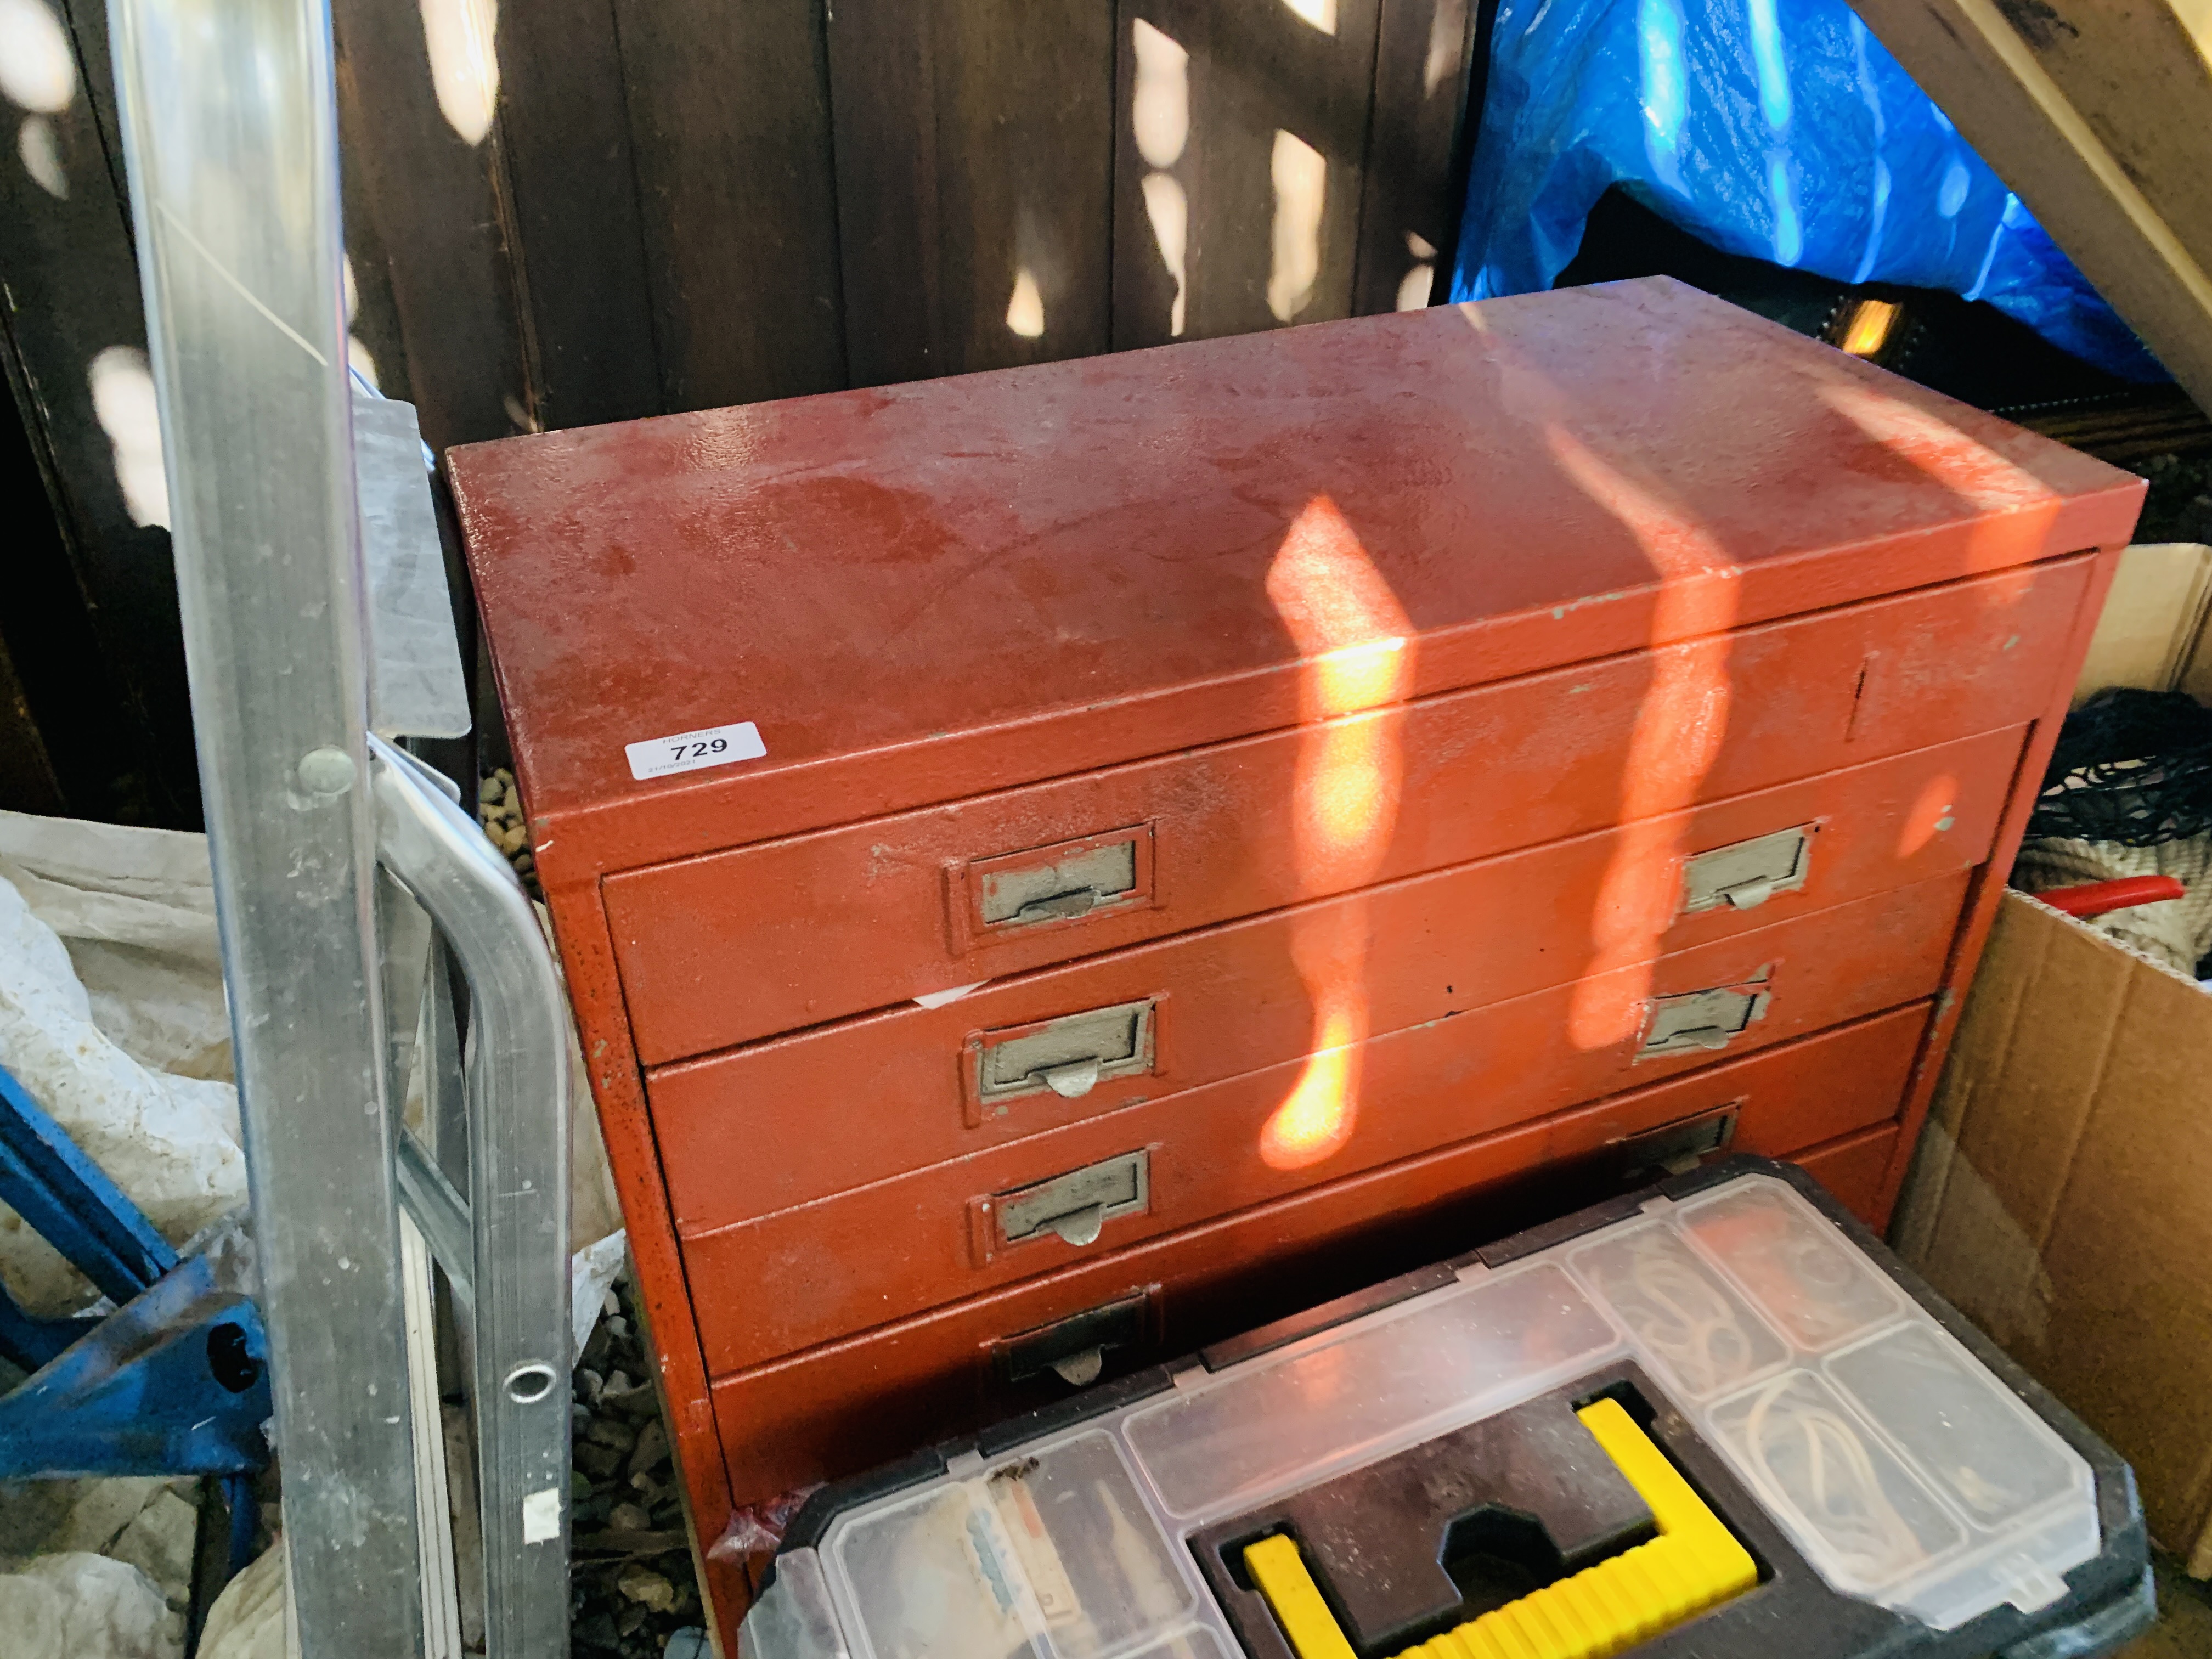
630 207
585 210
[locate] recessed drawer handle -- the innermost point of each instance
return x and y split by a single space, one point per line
1079 1227
1746 873
1056 883
1072 1081
1041 888
1081 1371
1074 1349
1703 1019
1069 1055
1702 1036
1079 901
1076 1207
1678 1146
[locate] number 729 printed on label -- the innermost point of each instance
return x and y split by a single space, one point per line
691 751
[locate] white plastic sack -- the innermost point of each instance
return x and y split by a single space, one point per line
86 1607
248 1620
136 910
122 1035
170 1141
594 1212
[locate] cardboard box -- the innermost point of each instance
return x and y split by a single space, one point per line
2062 1196
2153 635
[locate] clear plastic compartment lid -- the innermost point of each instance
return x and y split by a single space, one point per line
1047 1554
1906 1473
1367 1388
1904 1469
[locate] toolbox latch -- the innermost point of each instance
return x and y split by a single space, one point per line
1745 874
1076 1205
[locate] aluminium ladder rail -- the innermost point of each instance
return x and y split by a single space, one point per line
504 1246
228 117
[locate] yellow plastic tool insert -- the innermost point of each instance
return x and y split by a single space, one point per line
1695 1563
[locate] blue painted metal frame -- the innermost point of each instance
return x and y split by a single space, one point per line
71 1203
29 1341
174 1382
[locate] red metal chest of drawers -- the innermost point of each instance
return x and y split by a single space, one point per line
1054 866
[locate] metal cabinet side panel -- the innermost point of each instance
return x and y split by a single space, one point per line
617 1091
1988 884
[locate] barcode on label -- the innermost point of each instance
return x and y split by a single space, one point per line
690 752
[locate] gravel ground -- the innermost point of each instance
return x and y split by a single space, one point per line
498 810
632 1586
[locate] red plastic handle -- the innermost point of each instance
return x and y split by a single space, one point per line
2099 896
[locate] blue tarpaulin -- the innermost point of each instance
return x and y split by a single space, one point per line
1780 129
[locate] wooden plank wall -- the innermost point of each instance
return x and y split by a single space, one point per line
2099 118
587 210
680 206
90 612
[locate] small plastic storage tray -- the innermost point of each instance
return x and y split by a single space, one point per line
1903 1471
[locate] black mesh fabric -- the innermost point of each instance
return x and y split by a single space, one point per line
2131 767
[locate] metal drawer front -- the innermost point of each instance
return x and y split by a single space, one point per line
851 1404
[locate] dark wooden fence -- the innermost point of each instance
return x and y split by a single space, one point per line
561 212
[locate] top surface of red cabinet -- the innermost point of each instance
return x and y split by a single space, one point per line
918 592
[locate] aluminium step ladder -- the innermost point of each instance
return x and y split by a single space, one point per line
337 856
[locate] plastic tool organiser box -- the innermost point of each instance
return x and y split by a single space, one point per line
1714 1418
1052 866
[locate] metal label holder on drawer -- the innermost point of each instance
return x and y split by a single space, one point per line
1708 1420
